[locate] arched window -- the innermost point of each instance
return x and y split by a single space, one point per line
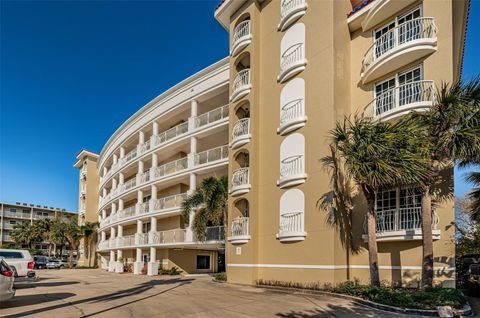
292 161
292 106
292 216
292 53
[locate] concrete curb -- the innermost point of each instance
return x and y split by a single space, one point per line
465 311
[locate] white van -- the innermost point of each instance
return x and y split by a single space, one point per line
20 261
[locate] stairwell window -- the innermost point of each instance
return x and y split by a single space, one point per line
203 261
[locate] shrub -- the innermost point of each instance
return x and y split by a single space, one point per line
172 271
220 276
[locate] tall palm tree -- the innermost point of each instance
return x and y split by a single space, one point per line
210 202
42 229
72 235
474 195
89 230
452 129
377 155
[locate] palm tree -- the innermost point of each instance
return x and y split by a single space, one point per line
452 130
23 234
72 236
210 202
377 155
474 195
42 229
88 230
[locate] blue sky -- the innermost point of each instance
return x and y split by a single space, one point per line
72 72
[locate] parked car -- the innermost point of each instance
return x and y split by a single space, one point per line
66 262
6 281
54 263
40 261
20 261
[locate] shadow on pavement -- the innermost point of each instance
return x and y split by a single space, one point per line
49 284
339 311
126 293
27 300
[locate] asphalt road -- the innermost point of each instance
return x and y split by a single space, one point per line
96 293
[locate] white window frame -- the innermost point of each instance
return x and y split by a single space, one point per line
396 76
395 20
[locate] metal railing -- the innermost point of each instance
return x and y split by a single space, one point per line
213 233
129 184
16 215
288 6
291 56
240 227
291 166
240 177
171 201
171 167
242 30
241 80
169 236
212 116
419 28
291 222
401 219
211 155
145 176
171 133
129 156
241 128
123 241
403 95
144 147
291 111
143 207
126 213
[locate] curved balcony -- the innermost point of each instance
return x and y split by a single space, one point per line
292 116
174 238
290 11
242 37
241 85
291 227
400 46
401 225
240 182
292 171
292 62
382 10
241 133
415 96
201 123
240 231
202 160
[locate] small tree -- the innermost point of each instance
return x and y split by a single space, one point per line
377 155
210 202
24 234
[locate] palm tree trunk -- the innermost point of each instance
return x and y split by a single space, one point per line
427 257
70 258
225 233
372 245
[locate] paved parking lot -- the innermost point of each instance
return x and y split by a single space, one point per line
95 293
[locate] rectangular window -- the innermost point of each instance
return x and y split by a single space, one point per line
13 210
203 262
13 222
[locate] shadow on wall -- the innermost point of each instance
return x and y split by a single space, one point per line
128 294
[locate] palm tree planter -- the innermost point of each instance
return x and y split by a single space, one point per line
378 155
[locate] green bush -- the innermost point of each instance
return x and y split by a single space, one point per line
172 271
220 276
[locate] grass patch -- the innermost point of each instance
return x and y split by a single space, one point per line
429 298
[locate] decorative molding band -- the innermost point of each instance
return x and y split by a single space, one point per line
334 267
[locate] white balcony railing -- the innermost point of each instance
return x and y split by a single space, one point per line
125 241
143 148
292 62
291 227
240 231
171 167
241 85
211 155
212 116
130 156
129 184
240 181
143 207
401 224
240 133
171 133
291 166
402 98
291 111
103 245
126 213
241 37
289 11
241 177
145 176
170 236
7 238
16 215
416 29
169 202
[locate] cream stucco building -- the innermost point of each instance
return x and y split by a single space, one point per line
262 115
